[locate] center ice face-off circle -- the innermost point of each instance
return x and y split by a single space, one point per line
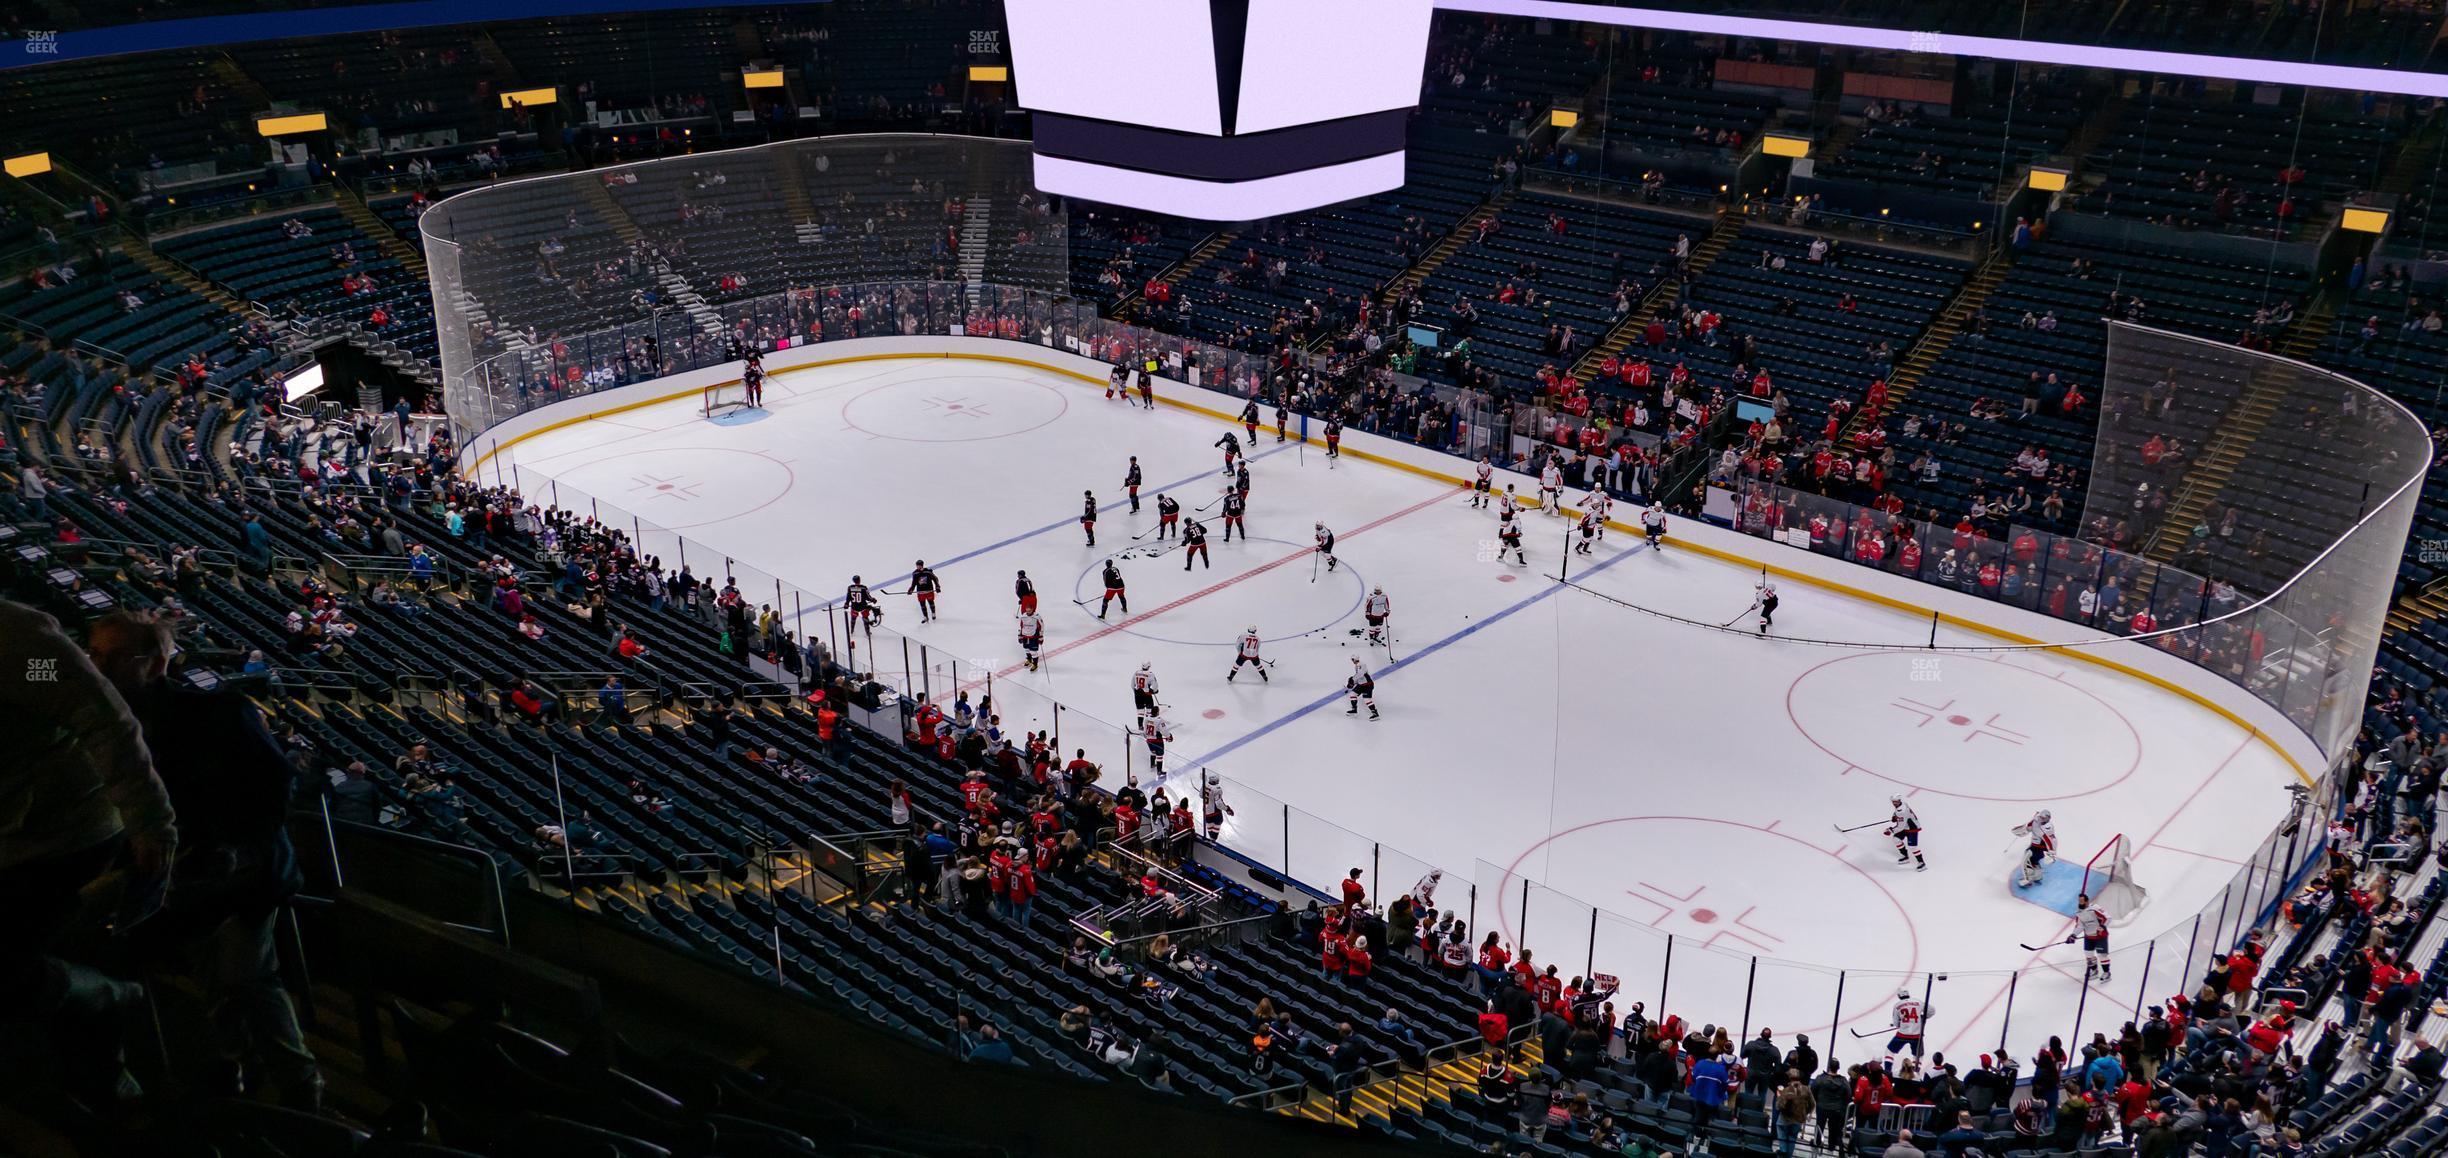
1281 602
969 407
1964 725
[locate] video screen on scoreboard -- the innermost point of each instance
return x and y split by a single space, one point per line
1752 410
1425 337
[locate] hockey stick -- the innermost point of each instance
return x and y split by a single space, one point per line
1858 1033
1857 827
1145 533
2037 948
1313 558
1745 611
1215 500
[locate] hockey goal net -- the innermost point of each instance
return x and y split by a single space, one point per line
724 397
2108 880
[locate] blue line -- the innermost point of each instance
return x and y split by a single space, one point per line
1053 526
1405 662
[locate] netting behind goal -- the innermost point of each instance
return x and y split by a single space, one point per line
667 255
2109 881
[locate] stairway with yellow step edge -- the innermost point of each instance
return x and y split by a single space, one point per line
1445 247
1957 317
2237 431
1721 235
1128 305
371 224
1409 1090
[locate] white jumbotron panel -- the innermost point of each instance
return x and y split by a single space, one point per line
1119 60
1224 109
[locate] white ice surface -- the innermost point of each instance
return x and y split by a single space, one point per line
1685 781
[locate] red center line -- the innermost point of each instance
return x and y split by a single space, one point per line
1221 584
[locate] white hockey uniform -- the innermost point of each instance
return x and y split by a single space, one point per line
1375 609
1509 538
2040 846
1154 731
1212 808
1910 1021
2091 927
1507 503
1600 503
1591 523
1904 825
1360 687
1325 545
1143 691
1245 654
1032 637
1551 488
1653 524
1486 482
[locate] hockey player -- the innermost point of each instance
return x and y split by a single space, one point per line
1154 731
1241 482
1032 638
1246 655
924 584
1485 482
1325 545
1508 503
1375 609
1911 1020
1194 544
1168 516
1025 590
1249 420
2040 835
1130 482
1360 687
1653 525
1088 513
1147 385
1113 590
1234 504
1143 690
1590 522
860 604
1509 536
1334 439
1212 808
1117 384
2091 928
1603 503
752 378
1767 598
1551 487
1904 825
1232 450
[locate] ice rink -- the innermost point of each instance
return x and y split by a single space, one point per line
1651 778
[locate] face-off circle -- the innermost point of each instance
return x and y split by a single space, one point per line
1964 725
955 408
1714 886
672 486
